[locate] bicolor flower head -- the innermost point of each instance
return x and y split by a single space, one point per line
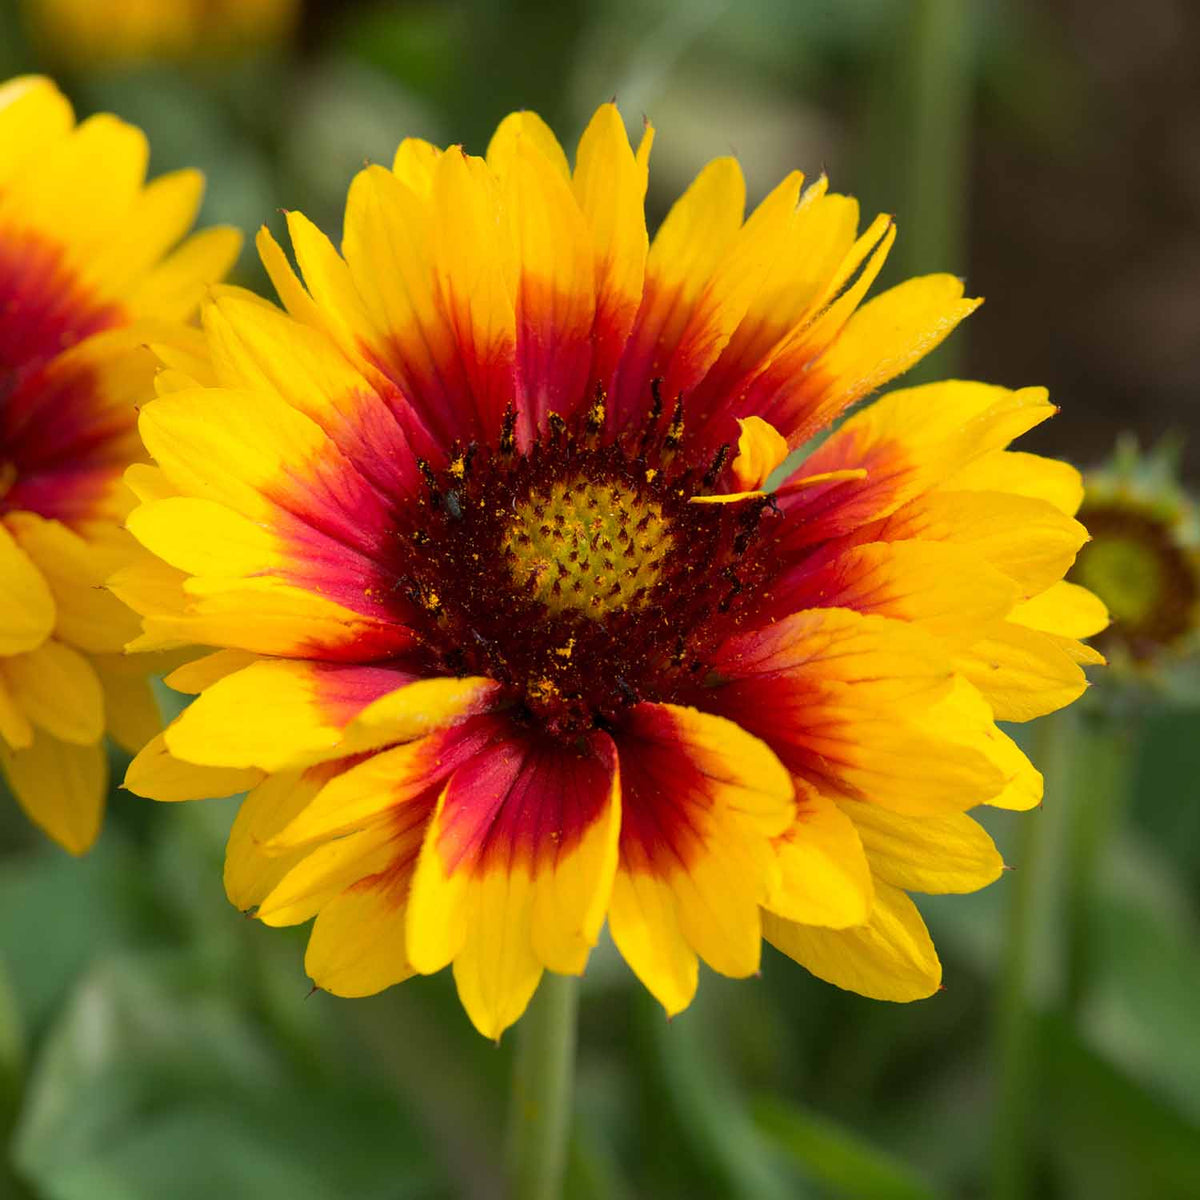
1143 562
90 273
510 639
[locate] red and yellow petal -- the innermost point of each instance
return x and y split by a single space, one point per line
555 300
515 871
364 791
254 345
689 246
949 591
702 804
278 713
856 706
610 188
474 273
908 442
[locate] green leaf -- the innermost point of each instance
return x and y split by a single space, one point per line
12 1057
1108 1137
1141 1007
832 1155
709 1109
57 913
154 1082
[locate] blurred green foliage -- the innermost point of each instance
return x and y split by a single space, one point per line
155 1044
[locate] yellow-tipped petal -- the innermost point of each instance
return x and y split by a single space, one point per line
1065 609
824 878
57 689
889 958
158 775
27 613
61 786
761 448
926 854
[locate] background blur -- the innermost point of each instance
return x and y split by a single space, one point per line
154 1044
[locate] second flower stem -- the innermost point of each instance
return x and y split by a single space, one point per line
542 1092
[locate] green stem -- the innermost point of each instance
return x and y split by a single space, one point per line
938 107
1103 760
724 1144
543 1079
1014 1061
917 139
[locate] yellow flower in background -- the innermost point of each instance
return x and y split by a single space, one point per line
94 32
509 639
1143 559
89 275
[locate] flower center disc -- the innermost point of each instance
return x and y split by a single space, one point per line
587 547
1134 563
576 572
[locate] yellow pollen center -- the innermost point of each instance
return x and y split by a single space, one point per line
587 547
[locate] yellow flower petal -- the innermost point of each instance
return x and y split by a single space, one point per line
889 958
761 448
322 874
15 727
61 786
57 689
1030 541
33 115
1065 609
193 677
890 333
1022 673
528 126
609 188
131 712
1022 474
926 854
251 873
414 164
86 615
204 537
173 289
27 613
824 876
356 947
85 182
157 774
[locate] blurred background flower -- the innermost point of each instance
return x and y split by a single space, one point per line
153 1044
1143 560
89 33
